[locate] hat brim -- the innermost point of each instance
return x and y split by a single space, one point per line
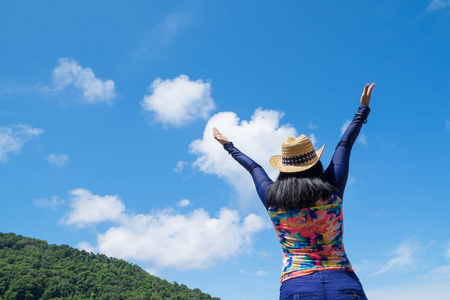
277 163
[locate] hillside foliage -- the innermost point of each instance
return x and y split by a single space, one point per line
33 269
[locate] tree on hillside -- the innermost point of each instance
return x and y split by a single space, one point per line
33 269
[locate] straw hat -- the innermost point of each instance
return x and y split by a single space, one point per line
297 154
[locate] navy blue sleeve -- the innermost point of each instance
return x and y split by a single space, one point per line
337 171
260 177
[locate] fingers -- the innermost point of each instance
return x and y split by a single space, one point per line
217 135
366 88
370 89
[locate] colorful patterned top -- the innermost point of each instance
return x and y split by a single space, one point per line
311 238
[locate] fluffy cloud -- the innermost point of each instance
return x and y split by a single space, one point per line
52 203
416 291
12 138
313 139
438 4
184 203
180 166
94 90
157 238
362 138
86 247
89 209
312 125
429 285
259 138
153 271
404 256
178 101
257 273
58 159
418 280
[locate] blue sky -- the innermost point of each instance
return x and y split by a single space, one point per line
106 110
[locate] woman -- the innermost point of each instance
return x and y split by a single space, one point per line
305 206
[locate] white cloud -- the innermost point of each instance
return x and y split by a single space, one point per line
161 36
418 281
12 138
404 257
415 291
431 285
173 23
178 101
86 247
180 166
362 137
260 273
58 159
94 90
438 4
259 138
184 203
312 125
257 273
442 271
52 203
16 88
153 271
351 180
156 238
89 209
344 126
313 139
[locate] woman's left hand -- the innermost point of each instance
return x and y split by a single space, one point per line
365 97
219 136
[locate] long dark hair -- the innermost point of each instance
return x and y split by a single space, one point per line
299 190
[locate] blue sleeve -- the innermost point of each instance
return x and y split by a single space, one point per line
260 177
337 171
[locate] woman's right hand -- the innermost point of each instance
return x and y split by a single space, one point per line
219 136
365 97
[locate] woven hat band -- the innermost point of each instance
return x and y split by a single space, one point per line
299 159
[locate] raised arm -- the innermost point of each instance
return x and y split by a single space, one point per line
260 177
337 171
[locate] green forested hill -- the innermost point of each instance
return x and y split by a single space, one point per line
33 269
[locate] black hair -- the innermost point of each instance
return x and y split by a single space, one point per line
300 189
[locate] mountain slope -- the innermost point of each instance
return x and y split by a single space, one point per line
33 269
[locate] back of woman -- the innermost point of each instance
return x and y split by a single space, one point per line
305 206
311 238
